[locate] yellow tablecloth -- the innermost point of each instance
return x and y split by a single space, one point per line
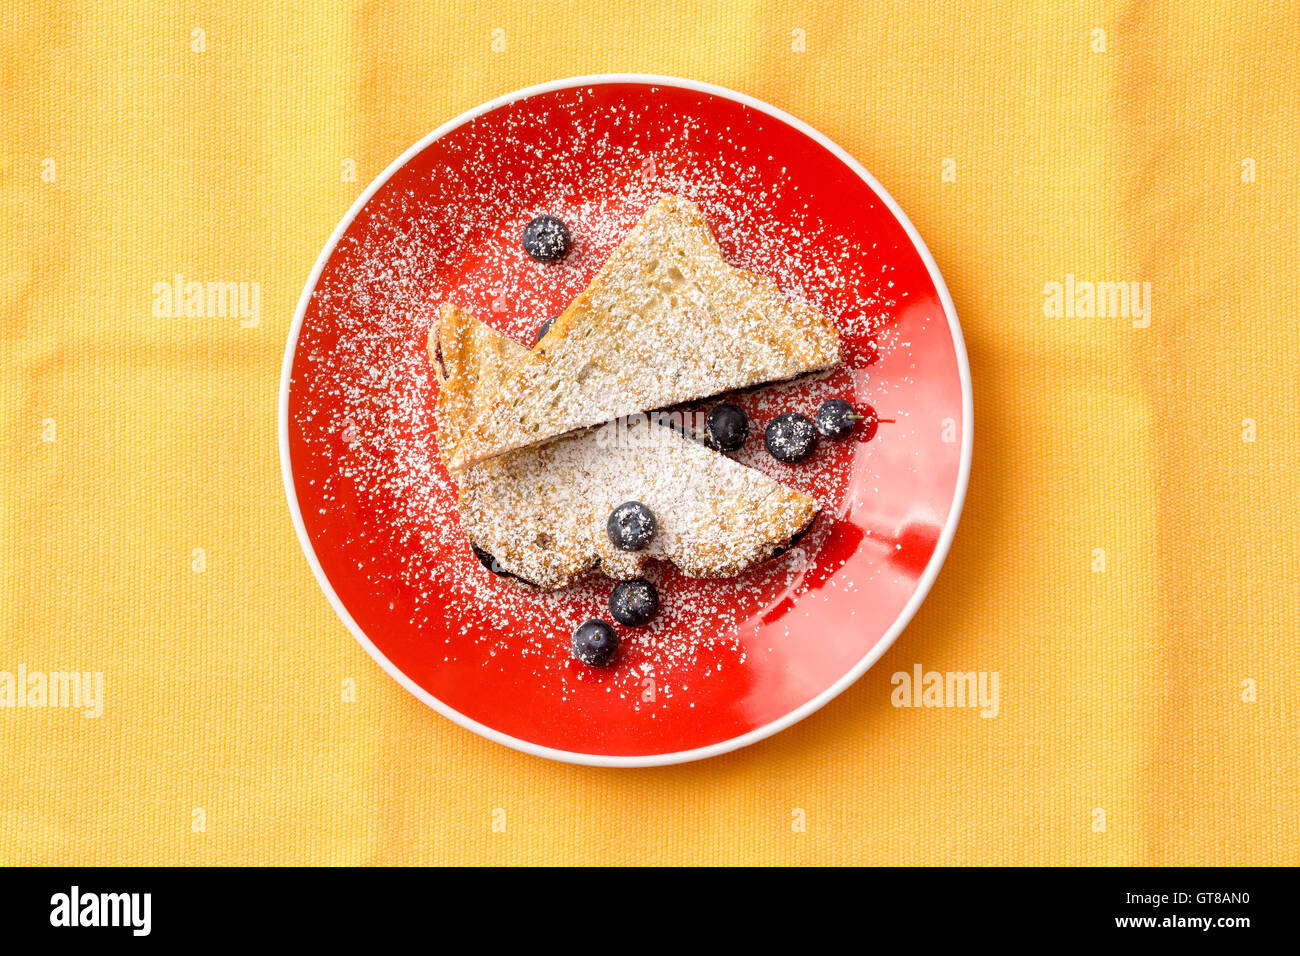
1127 561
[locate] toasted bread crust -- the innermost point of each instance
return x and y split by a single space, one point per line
468 359
665 320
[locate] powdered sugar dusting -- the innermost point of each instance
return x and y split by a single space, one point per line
449 230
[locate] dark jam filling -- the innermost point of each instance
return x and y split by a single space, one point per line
793 541
491 564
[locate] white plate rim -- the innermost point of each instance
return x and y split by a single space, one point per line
809 707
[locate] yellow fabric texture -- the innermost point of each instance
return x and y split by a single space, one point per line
1143 142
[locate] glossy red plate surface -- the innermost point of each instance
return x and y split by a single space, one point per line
727 662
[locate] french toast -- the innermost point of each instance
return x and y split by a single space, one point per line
665 320
538 514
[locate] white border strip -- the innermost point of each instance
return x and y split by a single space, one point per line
904 617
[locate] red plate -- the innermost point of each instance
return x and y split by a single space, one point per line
726 662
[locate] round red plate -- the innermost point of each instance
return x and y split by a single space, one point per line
726 662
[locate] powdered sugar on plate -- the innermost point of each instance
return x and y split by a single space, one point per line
446 228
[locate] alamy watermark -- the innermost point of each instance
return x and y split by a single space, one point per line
77 908
922 688
1085 299
75 690
634 431
181 299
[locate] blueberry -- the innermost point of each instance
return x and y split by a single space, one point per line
544 328
836 418
728 427
547 239
595 643
790 437
631 526
633 602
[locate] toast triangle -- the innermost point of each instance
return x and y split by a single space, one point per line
666 320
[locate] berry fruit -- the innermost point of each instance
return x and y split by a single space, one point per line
728 427
595 643
633 602
631 526
547 239
790 438
836 418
